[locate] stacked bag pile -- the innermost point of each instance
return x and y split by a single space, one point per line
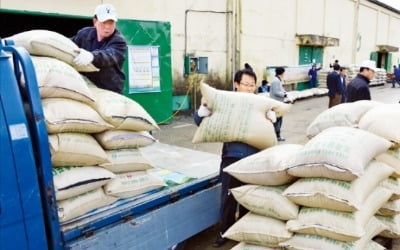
379 79
94 134
340 189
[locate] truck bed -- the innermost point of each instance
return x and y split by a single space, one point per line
159 219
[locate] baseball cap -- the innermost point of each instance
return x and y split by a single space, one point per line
369 64
105 12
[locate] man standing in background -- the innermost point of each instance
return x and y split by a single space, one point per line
358 88
335 87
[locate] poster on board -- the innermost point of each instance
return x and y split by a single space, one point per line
144 69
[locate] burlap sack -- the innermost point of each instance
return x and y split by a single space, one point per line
75 149
266 201
246 246
340 153
393 226
131 184
267 167
67 115
120 139
342 226
58 79
81 204
335 194
393 184
345 114
258 230
238 117
51 44
73 181
122 112
309 241
392 158
390 208
126 160
383 120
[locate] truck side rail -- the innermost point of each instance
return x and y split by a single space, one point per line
126 209
29 92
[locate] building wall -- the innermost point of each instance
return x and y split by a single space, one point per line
260 32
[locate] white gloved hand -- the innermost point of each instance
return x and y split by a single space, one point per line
203 111
83 58
271 115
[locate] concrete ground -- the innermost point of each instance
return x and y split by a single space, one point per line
180 133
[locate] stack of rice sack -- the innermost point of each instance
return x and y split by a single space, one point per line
372 117
266 178
329 192
238 116
303 94
379 79
339 190
94 134
322 75
131 131
383 120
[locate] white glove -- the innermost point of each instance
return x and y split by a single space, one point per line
271 115
203 111
83 58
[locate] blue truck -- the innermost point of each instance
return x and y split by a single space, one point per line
28 208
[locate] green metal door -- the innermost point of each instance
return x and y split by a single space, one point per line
155 38
309 55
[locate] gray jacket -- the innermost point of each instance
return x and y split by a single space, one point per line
277 91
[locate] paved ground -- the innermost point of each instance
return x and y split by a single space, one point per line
180 133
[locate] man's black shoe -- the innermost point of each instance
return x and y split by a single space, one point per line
281 139
219 242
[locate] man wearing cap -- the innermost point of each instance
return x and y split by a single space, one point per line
358 88
104 47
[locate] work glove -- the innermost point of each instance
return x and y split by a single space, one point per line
203 111
83 58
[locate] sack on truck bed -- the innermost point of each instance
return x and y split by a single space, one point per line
52 44
58 79
75 149
67 115
73 181
120 139
81 204
122 112
126 160
126 185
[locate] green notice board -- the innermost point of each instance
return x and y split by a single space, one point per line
148 66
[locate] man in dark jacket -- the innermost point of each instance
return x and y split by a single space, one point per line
245 81
358 88
335 86
104 47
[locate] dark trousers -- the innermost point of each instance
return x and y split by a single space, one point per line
228 202
277 126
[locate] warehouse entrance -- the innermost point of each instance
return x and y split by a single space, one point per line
21 21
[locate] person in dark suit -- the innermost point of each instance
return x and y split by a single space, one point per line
342 73
335 87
